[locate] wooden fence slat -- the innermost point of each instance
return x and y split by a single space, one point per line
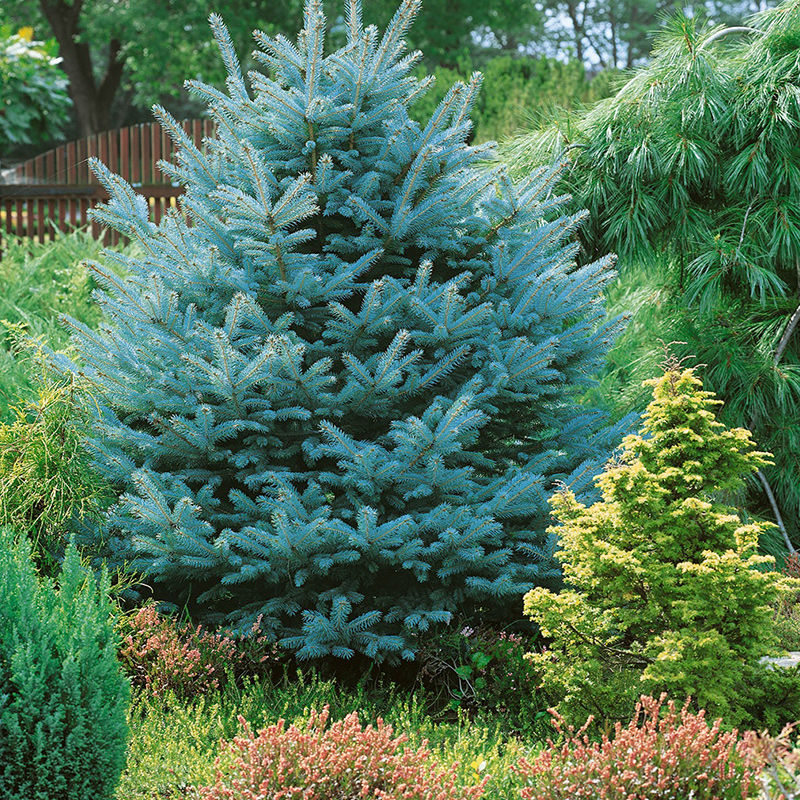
60 158
50 166
38 168
70 154
41 204
54 191
125 154
102 143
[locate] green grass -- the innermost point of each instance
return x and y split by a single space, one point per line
174 743
40 282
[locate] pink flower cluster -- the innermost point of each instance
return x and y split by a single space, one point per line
677 755
160 654
342 761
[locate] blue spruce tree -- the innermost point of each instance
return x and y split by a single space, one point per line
339 395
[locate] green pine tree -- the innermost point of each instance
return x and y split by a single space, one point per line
690 174
63 698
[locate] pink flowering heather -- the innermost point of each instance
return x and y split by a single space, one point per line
677 755
160 654
340 762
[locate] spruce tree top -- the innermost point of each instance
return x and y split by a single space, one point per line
338 396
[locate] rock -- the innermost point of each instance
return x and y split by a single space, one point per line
788 661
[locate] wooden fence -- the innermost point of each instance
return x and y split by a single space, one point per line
54 191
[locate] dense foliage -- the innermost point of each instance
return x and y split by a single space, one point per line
63 701
515 91
339 398
46 480
40 281
331 761
665 589
34 103
690 173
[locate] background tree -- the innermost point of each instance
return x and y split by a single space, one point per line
690 174
34 104
618 34
135 53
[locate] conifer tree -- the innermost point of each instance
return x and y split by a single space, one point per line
690 174
665 589
337 398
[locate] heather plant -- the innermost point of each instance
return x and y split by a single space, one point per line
338 395
657 755
63 700
160 655
175 741
319 761
779 760
665 590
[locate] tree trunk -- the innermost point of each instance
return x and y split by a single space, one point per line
578 28
92 102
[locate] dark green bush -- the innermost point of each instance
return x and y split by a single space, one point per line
63 701
485 671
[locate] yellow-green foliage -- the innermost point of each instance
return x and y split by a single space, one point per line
665 589
46 480
516 91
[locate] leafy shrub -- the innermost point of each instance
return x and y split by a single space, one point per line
321 762
34 102
675 755
160 654
63 701
516 90
484 670
665 590
339 398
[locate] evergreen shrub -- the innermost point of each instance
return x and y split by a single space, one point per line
666 591
329 762
338 396
63 700
47 483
